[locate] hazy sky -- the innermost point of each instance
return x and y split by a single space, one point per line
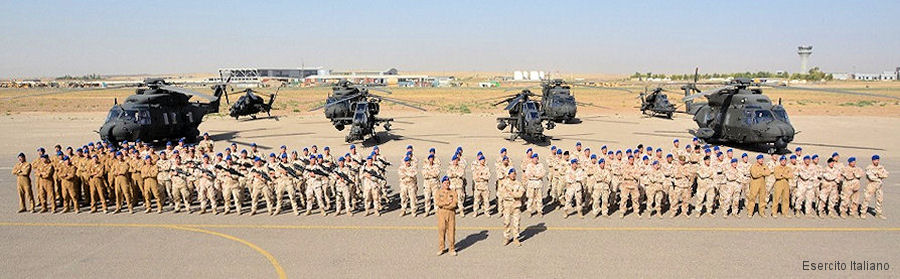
50 38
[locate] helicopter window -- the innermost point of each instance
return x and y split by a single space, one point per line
173 117
165 118
763 116
190 117
113 114
142 117
781 114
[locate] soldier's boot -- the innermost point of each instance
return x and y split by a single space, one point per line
506 241
881 216
863 215
517 242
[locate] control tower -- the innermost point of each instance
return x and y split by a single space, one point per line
804 51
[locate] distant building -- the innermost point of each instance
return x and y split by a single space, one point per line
888 76
868 77
528 75
251 75
388 72
842 76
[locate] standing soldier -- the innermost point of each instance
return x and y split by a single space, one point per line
343 185
512 193
207 143
137 180
602 189
407 175
557 188
590 182
231 186
259 182
181 177
656 183
150 172
629 188
22 171
206 186
501 171
828 193
67 176
284 182
850 192
371 191
481 174
706 189
783 172
770 180
456 172
534 175
681 194
876 174
806 187
97 182
574 187
121 170
445 200
759 174
430 172
744 170
730 193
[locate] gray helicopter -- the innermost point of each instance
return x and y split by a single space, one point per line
525 118
352 105
159 111
739 113
656 103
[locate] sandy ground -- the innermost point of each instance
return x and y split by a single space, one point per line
211 246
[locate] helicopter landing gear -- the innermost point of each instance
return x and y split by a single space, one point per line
253 116
669 115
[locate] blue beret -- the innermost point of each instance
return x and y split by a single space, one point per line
603 147
205 156
593 156
578 143
655 163
168 143
313 157
352 146
408 153
65 158
284 147
876 157
649 148
618 152
534 155
253 144
45 156
587 148
815 156
147 157
695 139
319 156
315 146
118 153
481 157
445 178
659 150
630 157
573 161
256 159
675 140
669 155
798 149
176 151
559 151
601 161
760 156
430 156
181 140
341 159
162 153
219 154
369 158
502 150
609 153
431 150
834 154
479 153
90 144
244 151
707 150
284 155
716 147
734 160
687 146
628 150
228 158
804 157
228 149
58 153
454 157
646 158
21 154
375 148
782 158
205 134
327 148
505 158
852 159
553 147
306 149
345 154
271 154
528 150
729 150
409 146
406 159
511 170
79 150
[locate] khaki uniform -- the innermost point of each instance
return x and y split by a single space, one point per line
875 188
850 190
46 191
181 178
481 174
149 173
206 187
758 193
260 187
730 193
209 145
574 190
137 180
706 188
122 171
344 196
408 177
828 193
534 195
512 193
600 193
22 171
69 195
430 173
231 190
445 200
164 177
457 173
501 172
98 189
371 189
807 183
782 189
629 188
655 185
284 184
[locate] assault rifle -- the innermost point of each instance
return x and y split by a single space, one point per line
264 175
230 170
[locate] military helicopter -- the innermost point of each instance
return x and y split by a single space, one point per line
159 111
740 113
251 103
558 102
656 103
525 117
353 105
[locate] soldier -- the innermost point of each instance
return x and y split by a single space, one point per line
730 192
430 172
121 170
371 191
512 192
22 171
806 187
181 177
343 185
502 169
783 172
876 174
98 189
656 183
557 171
231 186
770 180
206 186
602 189
793 181
629 187
481 174
744 170
759 173
260 180
445 199
706 188
575 177
850 191
149 172
67 176
407 175
828 191
590 182
284 182
456 172
534 175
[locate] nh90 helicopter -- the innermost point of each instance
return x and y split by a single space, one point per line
352 105
159 112
526 119
740 113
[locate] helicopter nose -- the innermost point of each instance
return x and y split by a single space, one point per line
106 132
781 130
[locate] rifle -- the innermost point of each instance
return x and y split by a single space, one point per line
182 173
264 175
374 174
289 171
343 176
230 170
207 172
317 171
247 165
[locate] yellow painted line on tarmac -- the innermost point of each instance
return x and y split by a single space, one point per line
425 228
278 269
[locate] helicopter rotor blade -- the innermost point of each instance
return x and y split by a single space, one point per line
514 102
188 92
835 91
704 93
402 103
356 95
378 89
590 105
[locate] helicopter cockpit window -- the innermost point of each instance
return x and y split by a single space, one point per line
531 111
781 114
763 116
113 114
